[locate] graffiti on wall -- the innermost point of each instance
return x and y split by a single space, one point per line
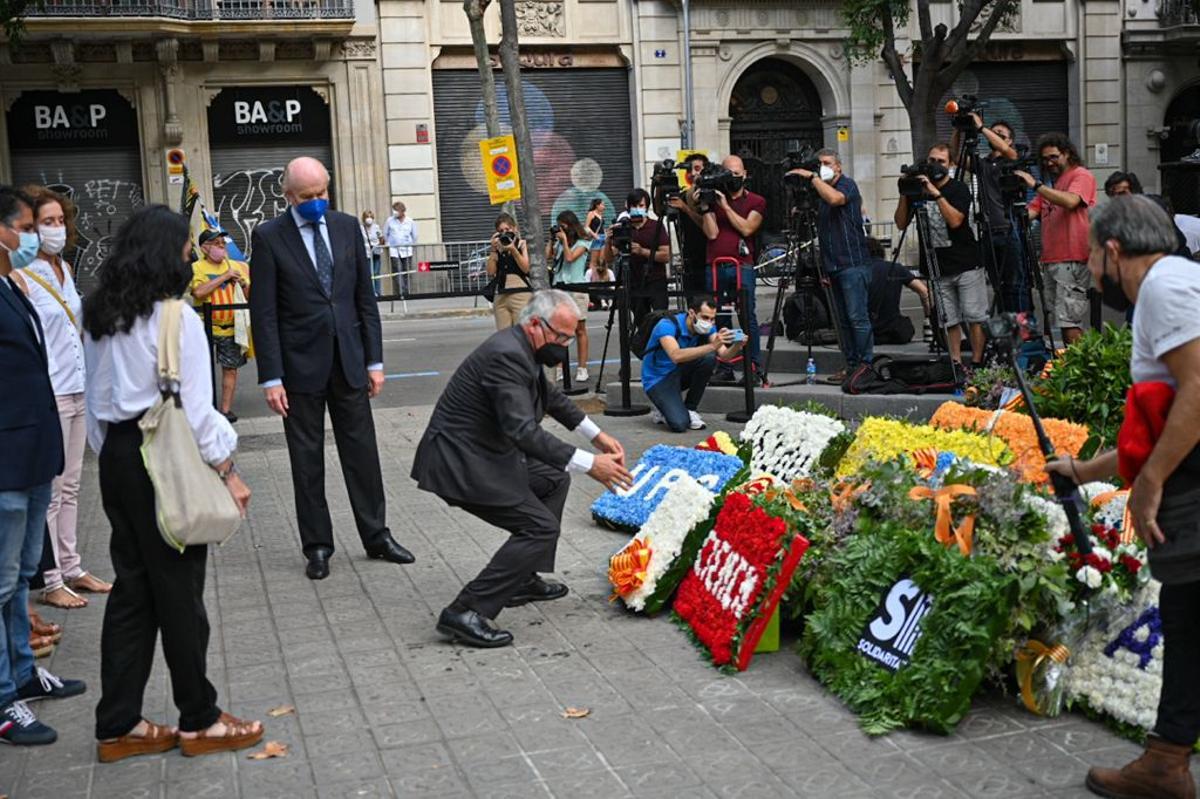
246 198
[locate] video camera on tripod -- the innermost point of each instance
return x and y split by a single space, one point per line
960 110
910 183
801 194
1012 188
664 187
713 179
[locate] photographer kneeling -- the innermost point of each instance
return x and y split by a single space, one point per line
680 356
731 221
1128 242
957 276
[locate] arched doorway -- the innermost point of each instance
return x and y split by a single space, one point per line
774 110
1180 152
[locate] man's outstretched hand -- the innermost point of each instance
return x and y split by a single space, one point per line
606 443
608 470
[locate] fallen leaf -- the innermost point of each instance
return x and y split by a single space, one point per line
576 713
272 749
282 710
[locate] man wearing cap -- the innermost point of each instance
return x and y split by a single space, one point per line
219 280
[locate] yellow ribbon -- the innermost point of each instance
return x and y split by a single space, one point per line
627 569
942 528
1128 534
1029 658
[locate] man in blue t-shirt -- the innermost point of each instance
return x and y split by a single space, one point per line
680 357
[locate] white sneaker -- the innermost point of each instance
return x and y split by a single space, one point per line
697 421
657 417
581 375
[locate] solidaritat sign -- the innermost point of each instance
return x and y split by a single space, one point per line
93 118
894 628
276 115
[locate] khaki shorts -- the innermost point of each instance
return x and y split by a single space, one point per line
963 298
1067 284
581 301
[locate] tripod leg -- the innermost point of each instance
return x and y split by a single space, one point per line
779 300
608 326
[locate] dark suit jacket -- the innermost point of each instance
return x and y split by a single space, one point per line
30 434
488 421
295 323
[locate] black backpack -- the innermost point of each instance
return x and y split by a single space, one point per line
887 375
639 340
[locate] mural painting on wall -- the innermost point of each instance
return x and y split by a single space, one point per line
245 199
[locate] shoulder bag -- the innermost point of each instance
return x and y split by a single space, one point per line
192 504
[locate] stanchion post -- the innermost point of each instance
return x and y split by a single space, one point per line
626 408
207 312
744 415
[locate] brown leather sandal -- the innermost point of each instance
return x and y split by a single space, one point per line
90 583
42 645
157 739
63 597
238 735
40 627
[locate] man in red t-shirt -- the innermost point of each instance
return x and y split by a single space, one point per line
731 227
1063 210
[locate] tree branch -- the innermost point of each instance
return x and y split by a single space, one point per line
892 59
925 20
970 11
968 54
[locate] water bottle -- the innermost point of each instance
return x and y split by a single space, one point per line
810 372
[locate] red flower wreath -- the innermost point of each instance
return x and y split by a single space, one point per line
722 594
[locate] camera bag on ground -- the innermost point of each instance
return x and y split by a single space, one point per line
912 375
639 339
822 324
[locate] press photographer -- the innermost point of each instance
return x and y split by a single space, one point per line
999 240
844 257
732 217
1063 210
954 266
693 243
648 250
1157 456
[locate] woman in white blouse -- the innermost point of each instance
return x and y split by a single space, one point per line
50 286
157 589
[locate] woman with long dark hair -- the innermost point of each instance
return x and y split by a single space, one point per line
569 249
157 590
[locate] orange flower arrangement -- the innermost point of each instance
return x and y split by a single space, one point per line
1017 431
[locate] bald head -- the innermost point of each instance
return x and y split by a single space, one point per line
305 178
734 164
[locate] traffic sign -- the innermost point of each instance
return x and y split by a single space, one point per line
500 167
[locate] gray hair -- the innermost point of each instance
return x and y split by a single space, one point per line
544 303
1137 223
829 151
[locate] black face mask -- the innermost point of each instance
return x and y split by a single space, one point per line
937 172
550 354
737 183
1111 293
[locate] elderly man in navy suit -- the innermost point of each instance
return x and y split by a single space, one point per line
31 440
319 344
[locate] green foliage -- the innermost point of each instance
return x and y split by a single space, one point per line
834 452
1088 383
864 18
971 598
814 407
12 13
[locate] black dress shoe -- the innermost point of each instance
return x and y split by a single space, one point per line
471 628
318 564
390 551
536 590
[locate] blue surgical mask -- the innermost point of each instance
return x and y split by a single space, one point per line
637 213
313 210
26 252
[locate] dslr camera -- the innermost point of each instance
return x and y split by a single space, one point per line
507 238
910 183
713 179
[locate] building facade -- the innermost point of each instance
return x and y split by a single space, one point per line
100 98
604 83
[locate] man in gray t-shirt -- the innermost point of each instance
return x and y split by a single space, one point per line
1129 239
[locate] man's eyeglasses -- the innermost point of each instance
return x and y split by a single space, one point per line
559 337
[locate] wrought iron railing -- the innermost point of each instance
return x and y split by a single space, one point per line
198 9
1172 13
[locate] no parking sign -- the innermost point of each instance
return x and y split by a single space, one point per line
500 166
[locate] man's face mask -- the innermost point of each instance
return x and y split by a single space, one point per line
1111 293
637 212
826 172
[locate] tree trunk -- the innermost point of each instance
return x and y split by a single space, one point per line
483 61
530 203
922 117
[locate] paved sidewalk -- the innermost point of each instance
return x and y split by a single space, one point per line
385 708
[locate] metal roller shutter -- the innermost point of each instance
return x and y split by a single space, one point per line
246 188
582 136
1030 95
104 184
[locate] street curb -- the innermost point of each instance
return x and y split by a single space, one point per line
444 313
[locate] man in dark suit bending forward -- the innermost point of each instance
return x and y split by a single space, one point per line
319 342
486 452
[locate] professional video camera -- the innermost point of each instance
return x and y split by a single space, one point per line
713 179
801 194
910 184
664 187
622 236
1012 188
961 109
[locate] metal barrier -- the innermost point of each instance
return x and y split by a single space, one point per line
448 269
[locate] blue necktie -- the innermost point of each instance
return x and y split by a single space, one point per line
323 258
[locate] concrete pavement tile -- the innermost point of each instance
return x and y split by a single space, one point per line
1079 736
135 777
379 715
331 743
276 777
1001 782
883 769
407 733
483 749
766 729
854 745
748 783
601 785
514 790
1054 773
347 767
956 757
378 788
212 787
343 720
324 701
415 758
985 723
504 770
670 777
331 681
561 763
67 783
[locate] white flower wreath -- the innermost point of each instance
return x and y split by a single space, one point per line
787 444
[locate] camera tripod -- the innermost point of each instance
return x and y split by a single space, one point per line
925 242
621 302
